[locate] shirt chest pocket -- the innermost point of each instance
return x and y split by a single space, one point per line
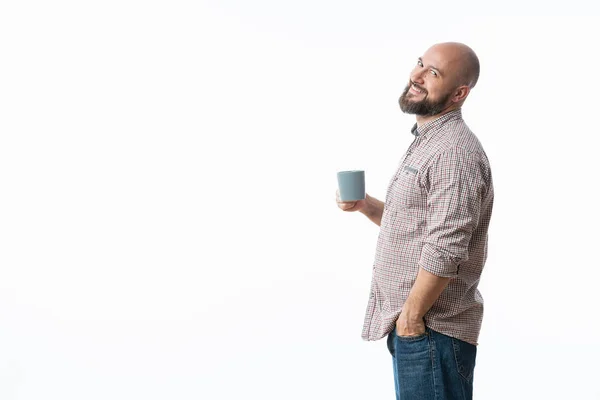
406 191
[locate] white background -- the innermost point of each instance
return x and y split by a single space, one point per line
168 228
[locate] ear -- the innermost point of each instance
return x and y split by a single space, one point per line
460 94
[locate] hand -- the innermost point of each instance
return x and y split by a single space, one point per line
350 205
406 327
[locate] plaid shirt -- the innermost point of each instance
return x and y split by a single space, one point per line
436 216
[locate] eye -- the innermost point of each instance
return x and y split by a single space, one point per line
419 63
434 73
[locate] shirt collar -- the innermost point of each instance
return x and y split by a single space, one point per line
436 124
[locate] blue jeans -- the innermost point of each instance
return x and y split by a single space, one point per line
432 366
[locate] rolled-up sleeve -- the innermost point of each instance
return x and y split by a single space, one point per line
455 183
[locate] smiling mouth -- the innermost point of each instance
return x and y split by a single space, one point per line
414 89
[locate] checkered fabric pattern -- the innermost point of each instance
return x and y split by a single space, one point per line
436 216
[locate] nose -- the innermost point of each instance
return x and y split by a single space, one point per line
417 76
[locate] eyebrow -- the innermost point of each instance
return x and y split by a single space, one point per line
431 66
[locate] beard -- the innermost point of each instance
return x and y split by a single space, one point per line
424 107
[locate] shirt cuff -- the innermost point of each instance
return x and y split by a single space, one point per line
437 262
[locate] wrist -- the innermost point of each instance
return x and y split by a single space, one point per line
367 210
412 312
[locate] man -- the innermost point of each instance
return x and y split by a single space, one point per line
432 241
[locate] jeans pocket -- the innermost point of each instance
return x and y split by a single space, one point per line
412 348
411 338
464 354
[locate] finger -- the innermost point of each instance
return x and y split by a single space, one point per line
346 205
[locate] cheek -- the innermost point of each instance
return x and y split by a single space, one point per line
434 91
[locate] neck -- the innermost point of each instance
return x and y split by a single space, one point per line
423 119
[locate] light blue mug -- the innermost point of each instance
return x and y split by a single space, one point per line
351 185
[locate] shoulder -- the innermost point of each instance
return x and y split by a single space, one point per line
458 138
459 153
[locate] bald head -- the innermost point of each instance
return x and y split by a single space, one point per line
440 81
461 60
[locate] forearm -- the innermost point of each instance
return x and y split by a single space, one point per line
373 209
424 292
